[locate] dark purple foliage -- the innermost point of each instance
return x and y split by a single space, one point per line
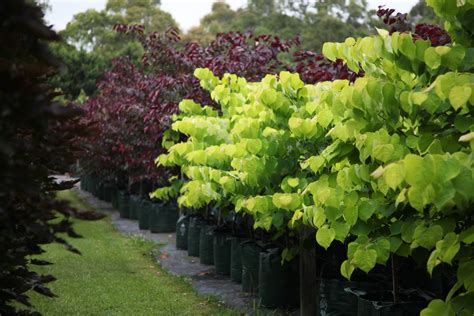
313 67
36 140
397 23
434 33
400 23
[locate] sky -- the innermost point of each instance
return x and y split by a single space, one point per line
186 12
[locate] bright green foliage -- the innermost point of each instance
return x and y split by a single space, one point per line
386 161
459 18
169 192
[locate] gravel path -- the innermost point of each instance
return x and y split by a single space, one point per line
177 262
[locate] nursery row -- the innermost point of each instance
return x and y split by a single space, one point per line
367 178
256 265
381 168
255 261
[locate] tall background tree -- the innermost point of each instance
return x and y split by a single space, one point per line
422 13
316 21
90 43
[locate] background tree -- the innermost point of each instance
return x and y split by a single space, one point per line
92 30
422 13
218 20
288 18
83 69
91 42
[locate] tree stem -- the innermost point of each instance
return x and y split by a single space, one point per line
309 284
395 280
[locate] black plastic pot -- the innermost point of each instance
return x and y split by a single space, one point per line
182 233
135 204
380 303
163 217
144 215
236 259
278 284
250 264
222 246
124 204
86 182
206 247
194 232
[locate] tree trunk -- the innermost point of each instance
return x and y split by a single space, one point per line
309 283
395 280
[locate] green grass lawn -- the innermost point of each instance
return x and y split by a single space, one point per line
115 275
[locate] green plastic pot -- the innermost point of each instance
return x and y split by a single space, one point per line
182 233
206 247
194 234
87 183
90 184
163 217
114 200
135 204
123 202
82 184
101 191
278 284
222 244
107 191
250 265
236 259
144 215
95 187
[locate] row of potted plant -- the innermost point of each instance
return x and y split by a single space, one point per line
381 167
156 216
